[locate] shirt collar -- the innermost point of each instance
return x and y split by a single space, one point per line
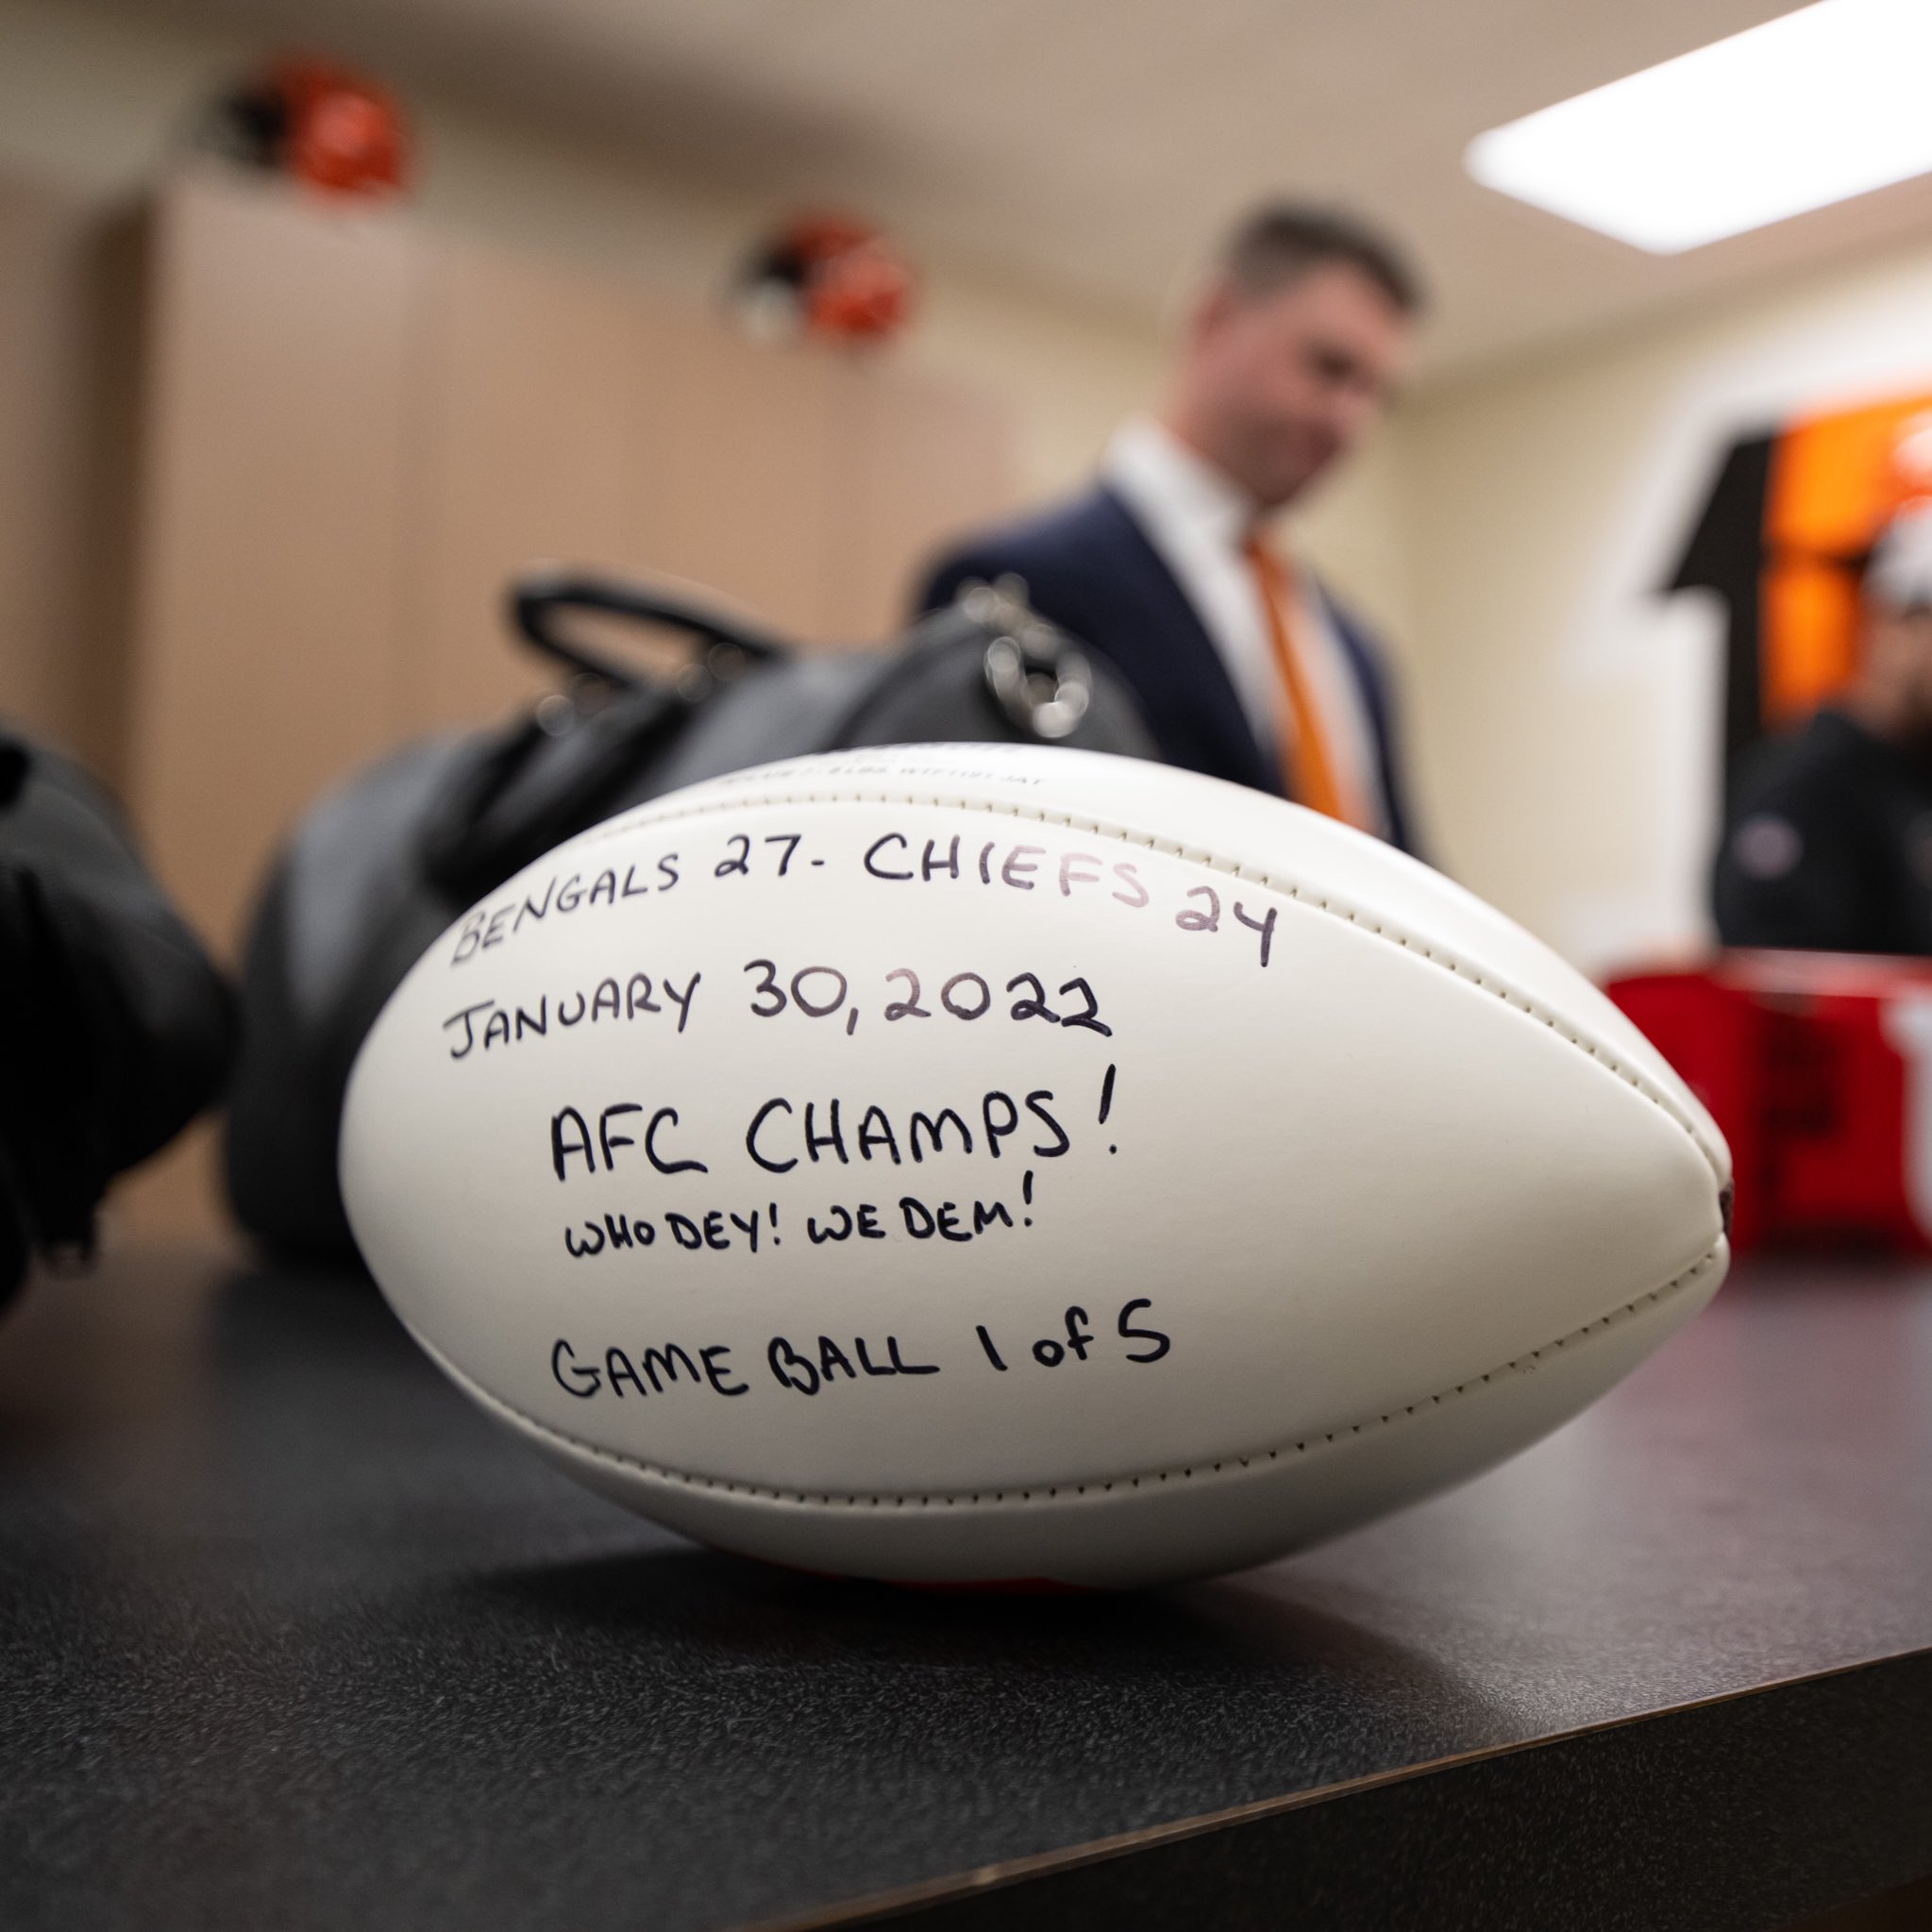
1174 486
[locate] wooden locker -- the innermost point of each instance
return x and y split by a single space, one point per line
357 431
274 519
69 349
523 451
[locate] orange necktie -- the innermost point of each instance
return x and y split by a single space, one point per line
1305 761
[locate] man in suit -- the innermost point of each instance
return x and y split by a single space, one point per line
1244 666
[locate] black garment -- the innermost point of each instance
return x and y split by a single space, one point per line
114 1029
1829 845
1090 569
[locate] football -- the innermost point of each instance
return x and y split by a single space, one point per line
993 1165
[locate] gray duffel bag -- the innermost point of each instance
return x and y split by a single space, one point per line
380 866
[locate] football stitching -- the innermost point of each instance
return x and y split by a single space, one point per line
827 1498
1449 962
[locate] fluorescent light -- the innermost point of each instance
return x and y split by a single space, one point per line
1823 103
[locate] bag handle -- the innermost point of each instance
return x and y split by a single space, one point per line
539 598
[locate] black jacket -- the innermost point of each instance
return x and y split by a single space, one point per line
1089 568
1829 845
114 1029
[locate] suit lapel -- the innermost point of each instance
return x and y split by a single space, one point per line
1176 662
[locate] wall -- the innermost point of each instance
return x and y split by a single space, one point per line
1566 716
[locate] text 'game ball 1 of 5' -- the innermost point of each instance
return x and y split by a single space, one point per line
972 1163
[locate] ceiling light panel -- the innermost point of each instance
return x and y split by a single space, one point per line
1813 107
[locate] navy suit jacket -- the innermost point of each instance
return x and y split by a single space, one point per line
1088 566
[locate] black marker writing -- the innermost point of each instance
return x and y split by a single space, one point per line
570 1136
661 1369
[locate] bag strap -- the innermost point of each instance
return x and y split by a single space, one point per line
522 792
537 599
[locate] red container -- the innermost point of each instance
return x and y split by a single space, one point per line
1818 1066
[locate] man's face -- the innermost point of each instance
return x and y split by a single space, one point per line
1273 388
1898 656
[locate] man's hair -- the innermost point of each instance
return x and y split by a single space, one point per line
1279 243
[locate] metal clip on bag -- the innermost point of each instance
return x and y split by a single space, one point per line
380 867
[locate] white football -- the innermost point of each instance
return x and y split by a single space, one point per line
969 1164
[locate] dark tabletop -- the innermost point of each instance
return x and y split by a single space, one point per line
293 1637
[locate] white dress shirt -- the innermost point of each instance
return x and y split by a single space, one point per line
1198 520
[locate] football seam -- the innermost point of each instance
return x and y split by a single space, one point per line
1519 1365
1200 855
